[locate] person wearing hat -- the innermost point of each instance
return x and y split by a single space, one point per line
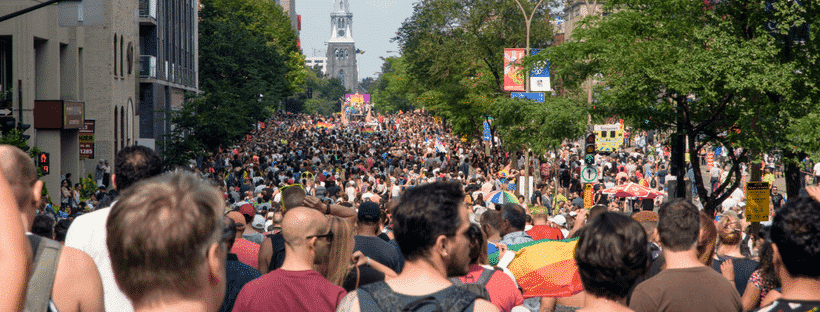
245 250
250 233
367 241
560 222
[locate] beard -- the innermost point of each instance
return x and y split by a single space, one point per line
730 238
458 266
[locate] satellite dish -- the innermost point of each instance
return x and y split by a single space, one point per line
74 13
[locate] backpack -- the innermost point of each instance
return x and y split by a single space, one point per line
380 297
46 258
479 286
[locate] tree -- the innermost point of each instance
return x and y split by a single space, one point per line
393 91
709 72
453 53
541 126
247 56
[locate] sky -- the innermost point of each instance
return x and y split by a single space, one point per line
375 22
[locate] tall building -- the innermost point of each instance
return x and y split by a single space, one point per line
317 61
341 48
76 86
575 11
289 6
169 63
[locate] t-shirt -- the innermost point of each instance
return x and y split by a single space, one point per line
503 292
88 234
539 232
247 252
744 267
237 274
791 305
282 290
377 249
690 289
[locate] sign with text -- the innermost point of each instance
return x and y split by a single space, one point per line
757 201
513 72
86 136
73 115
534 96
357 99
540 75
588 196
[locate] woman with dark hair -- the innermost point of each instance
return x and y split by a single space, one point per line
763 280
611 255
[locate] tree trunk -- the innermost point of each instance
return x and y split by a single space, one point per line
677 165
791 161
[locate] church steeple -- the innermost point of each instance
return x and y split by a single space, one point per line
341 22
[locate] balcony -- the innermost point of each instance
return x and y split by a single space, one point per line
148 66
148 12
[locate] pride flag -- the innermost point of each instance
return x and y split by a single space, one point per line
545 268
368 131
324 125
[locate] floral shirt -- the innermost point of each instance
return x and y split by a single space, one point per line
757 280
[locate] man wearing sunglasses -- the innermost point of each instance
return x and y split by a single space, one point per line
296 286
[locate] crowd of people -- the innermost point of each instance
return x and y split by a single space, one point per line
340 217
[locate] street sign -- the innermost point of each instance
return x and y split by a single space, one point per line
757 201
588 196
6 111
535 96
589 174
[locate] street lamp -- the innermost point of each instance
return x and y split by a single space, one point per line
528 21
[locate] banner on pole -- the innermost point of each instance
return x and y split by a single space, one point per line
513 72
540 75
535 96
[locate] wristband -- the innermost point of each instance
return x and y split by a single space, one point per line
368 261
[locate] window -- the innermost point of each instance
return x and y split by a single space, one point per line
122 127
121 50
116 127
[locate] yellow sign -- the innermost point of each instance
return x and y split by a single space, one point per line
588 196
757 201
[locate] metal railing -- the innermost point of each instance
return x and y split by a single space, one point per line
148 66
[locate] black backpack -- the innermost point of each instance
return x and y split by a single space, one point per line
380 297
41 283
479 286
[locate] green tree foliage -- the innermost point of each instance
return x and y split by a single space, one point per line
711 71
453 52
328 94
249 62
393 91
540 126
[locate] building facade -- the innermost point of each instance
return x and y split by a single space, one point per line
341 48
64 78
317 61
575 11
168 64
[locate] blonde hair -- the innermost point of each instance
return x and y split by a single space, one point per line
337 266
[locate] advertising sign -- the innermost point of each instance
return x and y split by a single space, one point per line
86 136
73 115
540 75
757 201
357 99
513 73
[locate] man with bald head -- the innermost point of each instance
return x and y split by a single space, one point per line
76 284
296 286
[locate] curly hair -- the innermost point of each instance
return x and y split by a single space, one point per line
796 232
424 213
612 253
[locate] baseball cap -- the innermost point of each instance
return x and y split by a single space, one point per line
247 209
559 219
258 222
237 218
369 212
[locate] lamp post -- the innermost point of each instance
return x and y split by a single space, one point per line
528 22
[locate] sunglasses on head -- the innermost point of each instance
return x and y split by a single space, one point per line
295 184
329 236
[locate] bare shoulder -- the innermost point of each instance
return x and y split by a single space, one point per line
484 306
350 303
77 284
77 260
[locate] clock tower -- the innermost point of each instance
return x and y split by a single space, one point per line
341 49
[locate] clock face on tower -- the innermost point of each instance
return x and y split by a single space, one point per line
341 33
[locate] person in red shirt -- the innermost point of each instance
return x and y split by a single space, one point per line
245 250
504 293
540 226
296 286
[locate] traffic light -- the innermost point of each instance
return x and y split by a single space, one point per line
6 124
23 127
43 161
589 148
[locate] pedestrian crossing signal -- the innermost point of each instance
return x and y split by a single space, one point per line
43 160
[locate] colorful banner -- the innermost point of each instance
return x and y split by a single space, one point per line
540 75
86 136
545 268
357 99
535 96
513 73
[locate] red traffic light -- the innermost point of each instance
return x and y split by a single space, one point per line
591 138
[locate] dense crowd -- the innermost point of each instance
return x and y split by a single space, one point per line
394 214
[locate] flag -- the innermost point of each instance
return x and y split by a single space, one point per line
359 51
368 130
545 268
324 125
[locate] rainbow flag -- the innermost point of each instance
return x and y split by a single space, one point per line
324 125
368 131
545 268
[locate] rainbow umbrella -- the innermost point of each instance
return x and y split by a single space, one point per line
502 197
503 173
545 268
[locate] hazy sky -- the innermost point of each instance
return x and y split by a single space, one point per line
374 23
